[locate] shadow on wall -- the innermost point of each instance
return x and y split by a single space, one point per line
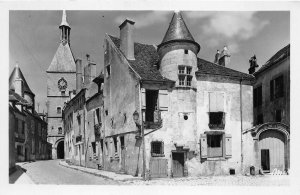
16 174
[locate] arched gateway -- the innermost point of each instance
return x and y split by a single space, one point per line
60 149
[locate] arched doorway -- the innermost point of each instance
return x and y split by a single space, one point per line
272 150
60 150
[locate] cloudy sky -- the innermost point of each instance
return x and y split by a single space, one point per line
34 36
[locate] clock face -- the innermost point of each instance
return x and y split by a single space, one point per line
62 84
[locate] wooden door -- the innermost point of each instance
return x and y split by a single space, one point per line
265 160
178 164
158 168
272 141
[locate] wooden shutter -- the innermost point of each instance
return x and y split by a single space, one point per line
228 145
163 100
203 144
143 94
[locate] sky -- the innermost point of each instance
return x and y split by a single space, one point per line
34 37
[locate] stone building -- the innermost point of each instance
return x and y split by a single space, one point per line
82 118
191 111
27 126
268 142
61 76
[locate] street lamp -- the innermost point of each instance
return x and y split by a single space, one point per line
136 117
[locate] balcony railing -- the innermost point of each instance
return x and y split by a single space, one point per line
216 126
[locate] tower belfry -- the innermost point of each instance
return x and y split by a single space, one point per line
65 29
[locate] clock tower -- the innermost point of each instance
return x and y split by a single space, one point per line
61 80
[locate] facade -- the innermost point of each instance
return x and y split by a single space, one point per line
82 119
28 128
268 142
191 111
61 76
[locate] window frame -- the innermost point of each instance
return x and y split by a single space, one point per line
58 110
216 126
277 87
161 149
221 147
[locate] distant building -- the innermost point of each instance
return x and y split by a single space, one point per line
61 81
268 142
28 129
192 111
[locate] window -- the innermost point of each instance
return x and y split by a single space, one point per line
260 119
186 51
122 142
276 88
107 70
59 130
98 116
106 146
94 147
278 115
101 145
23 127
115 144
216 110
19 150
58 110
157 148
215 145
181 69
63 93
181 80
151 104
257 96
188 70
216 119
188 81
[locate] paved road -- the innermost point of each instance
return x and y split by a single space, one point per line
50 172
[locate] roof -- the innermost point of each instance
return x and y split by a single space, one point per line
14 97
63 60
177 30
64 21
280 55
17 74
206 67
146 59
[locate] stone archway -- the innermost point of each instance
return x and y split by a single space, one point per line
60 152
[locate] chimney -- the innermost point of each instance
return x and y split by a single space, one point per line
217 57
225 57
126 39
78 75
89 71
253 64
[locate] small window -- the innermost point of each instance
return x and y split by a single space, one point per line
115 144
278 115
63 93
186 51
257 96
98 116
101 145
215 145
188 70
216 120
181 69
106 146
59 130
260 119
276 88
122 142
58 110
157 148
94 147
107 70
188 81
181 81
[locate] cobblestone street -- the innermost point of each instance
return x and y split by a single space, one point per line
50 172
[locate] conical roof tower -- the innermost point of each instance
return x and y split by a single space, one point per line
18 75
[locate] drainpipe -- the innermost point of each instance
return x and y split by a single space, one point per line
142 131
241 113
84 143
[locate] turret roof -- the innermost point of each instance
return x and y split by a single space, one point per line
17 74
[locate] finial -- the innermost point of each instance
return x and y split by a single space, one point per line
64 19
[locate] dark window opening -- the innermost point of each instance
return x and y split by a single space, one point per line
186 51
260 119
181 81
115 144
188 70
232 171
185 117
257 96
101 145
181 69
58 110
122 142
94 147
106 112
157 148
19 150
214 145
188 81
107 70
98 115
106 146
63 93
276 88
278 115
151 104
59 130
216 119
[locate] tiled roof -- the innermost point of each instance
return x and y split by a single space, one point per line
206 67
63 60
177 30
14 97
146 58
17 73
281 54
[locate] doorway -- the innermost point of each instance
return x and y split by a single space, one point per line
60 150
265 160
178 164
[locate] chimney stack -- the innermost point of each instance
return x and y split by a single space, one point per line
78 75
126 39
225 57
253 64
89 71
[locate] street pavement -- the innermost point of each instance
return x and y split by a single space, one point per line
50 172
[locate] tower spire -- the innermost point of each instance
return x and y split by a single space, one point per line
65 29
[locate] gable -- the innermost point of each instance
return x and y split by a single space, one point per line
63 60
